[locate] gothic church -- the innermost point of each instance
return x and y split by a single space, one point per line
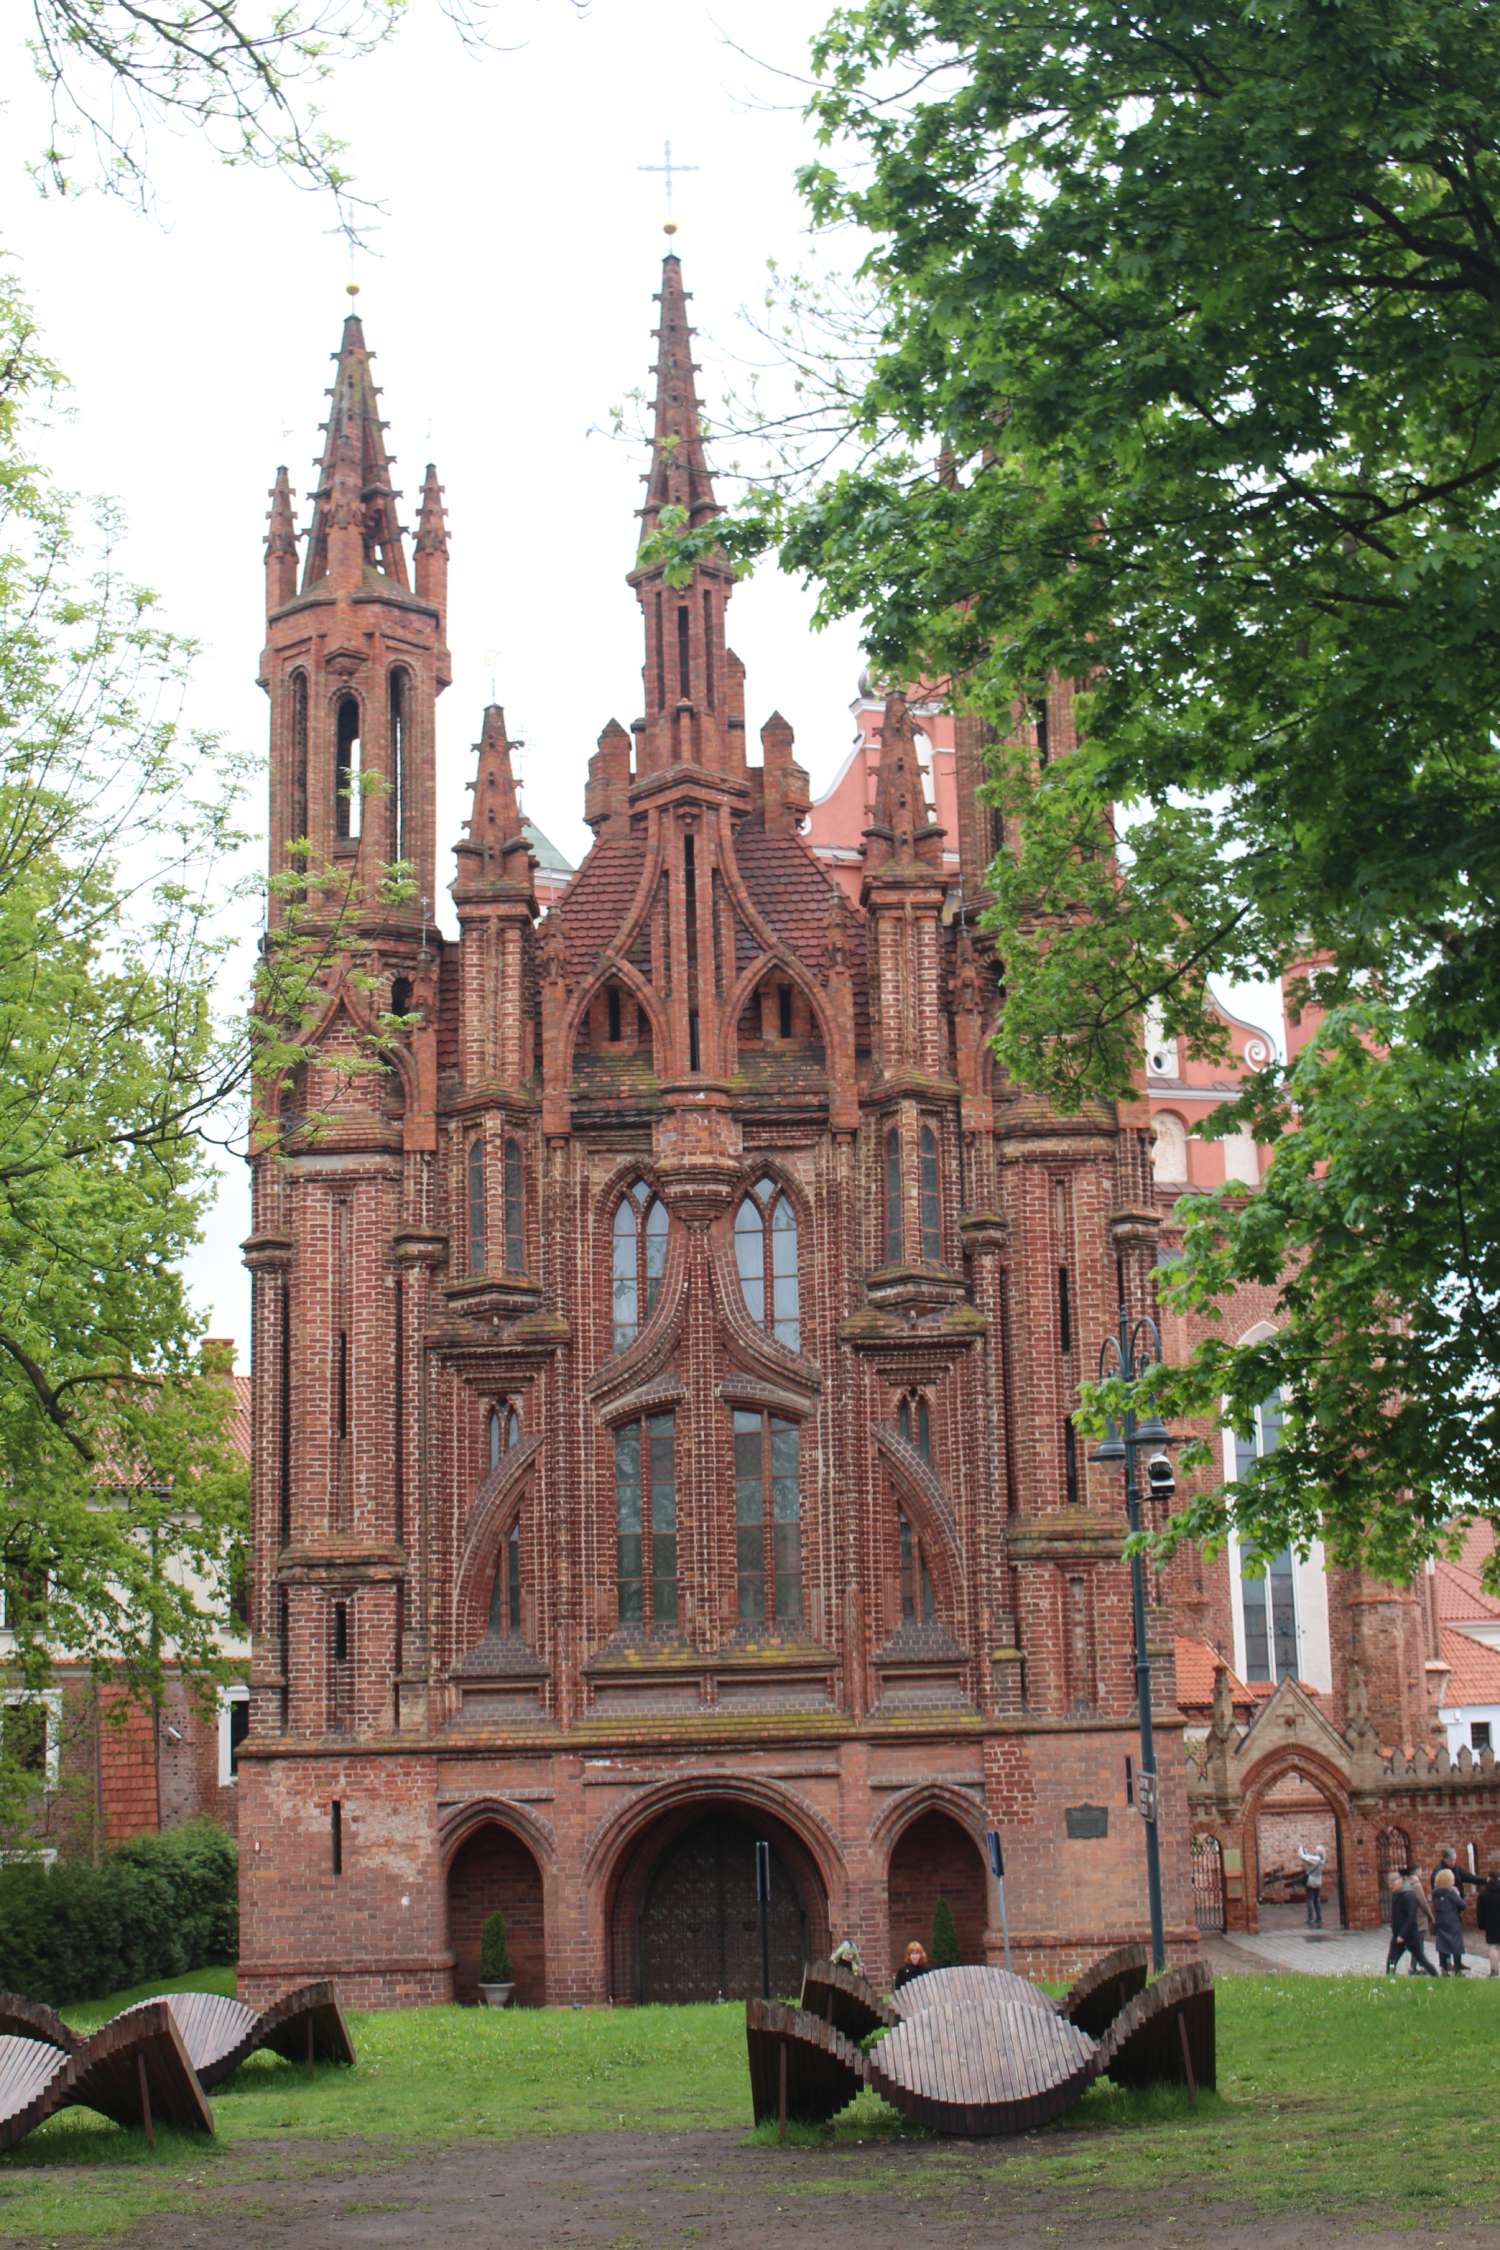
662 1362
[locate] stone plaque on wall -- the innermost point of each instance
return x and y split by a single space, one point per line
1087 1820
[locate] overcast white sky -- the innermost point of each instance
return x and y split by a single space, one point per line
508 301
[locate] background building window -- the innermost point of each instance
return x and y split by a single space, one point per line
31 1733
646 1523
1268 1599
765 1249
767 1519
234 1726
1479 1734
639 1259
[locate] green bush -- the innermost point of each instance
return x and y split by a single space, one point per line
494 1953
945 1953
156 1907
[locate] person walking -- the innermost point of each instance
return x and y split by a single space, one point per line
1461 1875
1314 1862
1407 1920
1448 1914
1487 1914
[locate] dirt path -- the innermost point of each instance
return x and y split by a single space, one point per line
710 2191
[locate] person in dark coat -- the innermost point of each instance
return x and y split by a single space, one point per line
916 1964
1461 1875
1448 1914
1487 1914
1406 1929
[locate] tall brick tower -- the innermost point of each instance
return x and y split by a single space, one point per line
663 1353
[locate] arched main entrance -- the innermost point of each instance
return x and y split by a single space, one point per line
684 1921
493 1872
936 1857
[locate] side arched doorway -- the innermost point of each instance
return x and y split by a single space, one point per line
936 1857
493 1872
684 1923
1291 1806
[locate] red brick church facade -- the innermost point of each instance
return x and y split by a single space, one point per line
662 1367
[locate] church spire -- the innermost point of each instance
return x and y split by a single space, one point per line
281 545
679 475
494 847
901 829
354 482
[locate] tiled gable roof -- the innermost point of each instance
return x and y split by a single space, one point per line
597 901
1473 1669
1194 1664
795 895
1460 1595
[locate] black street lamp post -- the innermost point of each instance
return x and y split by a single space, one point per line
1128 1354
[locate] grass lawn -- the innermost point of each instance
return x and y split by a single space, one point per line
1335 2094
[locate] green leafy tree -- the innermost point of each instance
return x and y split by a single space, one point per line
122 1503
1197 313
945 1952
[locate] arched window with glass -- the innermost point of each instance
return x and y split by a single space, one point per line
918 1606
503 1431
514 1196
476 1210
929 1198
299 757
892 1198
767 1519
914 1421
347 768
638 1259
505 1593
646 1523
399 778
765 1250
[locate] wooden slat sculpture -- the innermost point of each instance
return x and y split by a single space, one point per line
135 2069
979 2051
218 2033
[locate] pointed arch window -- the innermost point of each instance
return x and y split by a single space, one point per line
400 685
505 1593
299 757
646 1523
914 1421
917 1604
638 1257
765 1251
476 1212
1268 1586
504 1431
929 1199
893 1229
767 1519
515 1209
346 770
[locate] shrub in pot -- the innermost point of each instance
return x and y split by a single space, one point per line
496 1977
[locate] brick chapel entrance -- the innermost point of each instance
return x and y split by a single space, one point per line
493 1872
936 1857
685 1925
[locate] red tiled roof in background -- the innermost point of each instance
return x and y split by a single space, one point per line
1460 1595
1194 1664
239 1428
1473 1669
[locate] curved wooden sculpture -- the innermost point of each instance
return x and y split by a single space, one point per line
979 2051
218 2033
844 1998
135 2070
1102 1991
1165 2035
800 2065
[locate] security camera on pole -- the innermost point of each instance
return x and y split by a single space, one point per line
1128 1354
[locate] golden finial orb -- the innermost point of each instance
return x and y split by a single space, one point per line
351 288
669 226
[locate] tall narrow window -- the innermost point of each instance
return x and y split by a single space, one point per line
917 1604
503 1430
612 1013
515 1216
684 673
893 1232
336 1837
299 756
767 1519
929 1203
661 659
914 1421
476 1206
1043 733
346 770
639 1259
505 1593
1070 1463
646 1523
399 777
784 1011
765 1250
708 645
1064 1310
1268 1592
496 1437
340 1632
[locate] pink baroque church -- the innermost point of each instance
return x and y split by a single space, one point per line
662 1363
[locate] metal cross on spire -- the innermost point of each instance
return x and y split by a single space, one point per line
669 170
